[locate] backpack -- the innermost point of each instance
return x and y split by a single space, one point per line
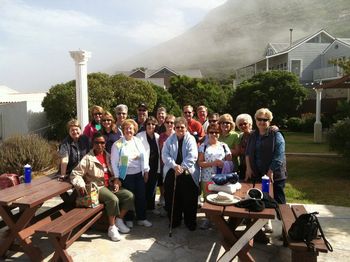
8 180
305 228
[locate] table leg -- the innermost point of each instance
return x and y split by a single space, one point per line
243 241
15 232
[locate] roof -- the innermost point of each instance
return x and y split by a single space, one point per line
279 47
343 82
150 73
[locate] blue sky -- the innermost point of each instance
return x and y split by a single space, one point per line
36 35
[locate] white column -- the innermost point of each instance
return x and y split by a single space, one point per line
318 124
267 64
81 57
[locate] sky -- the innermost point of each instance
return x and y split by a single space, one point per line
37 35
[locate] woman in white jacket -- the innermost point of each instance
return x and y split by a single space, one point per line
150 140
130 165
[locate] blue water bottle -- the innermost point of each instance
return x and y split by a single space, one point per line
27 173
265 184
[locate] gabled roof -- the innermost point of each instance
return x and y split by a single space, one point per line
137 70
278 47
150 74
344 41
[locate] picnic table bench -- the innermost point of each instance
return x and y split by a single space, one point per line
300 251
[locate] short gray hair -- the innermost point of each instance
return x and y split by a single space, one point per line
121 107
245 117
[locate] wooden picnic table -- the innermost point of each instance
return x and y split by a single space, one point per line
228 218
29 198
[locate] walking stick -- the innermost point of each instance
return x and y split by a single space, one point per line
172 207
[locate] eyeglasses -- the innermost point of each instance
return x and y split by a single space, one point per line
213 121
243 124
213 133
151 124
180 127
262 119
97 114
121 113
106 120
99 142
169 122
188 113
225 123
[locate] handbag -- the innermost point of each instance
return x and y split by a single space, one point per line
90 198
8 180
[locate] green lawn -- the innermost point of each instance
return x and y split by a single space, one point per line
318 180
304 143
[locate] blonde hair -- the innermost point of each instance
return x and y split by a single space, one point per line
264 111
72 123
130 122
108 115
227 118
95 108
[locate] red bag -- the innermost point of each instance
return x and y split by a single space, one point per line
8 180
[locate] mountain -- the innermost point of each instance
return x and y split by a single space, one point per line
237 32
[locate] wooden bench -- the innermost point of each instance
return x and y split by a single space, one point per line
300 251
60 230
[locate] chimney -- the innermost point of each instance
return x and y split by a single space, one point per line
290 36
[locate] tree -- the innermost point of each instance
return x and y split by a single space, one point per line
104 90
195 92
165 99
280 91
344 64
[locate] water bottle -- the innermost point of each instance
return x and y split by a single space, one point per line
27 173
265 184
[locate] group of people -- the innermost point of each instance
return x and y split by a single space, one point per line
128 159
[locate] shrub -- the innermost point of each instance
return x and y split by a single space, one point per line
339 137
308 120
294 124
17 151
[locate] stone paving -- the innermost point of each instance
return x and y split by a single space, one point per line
154 244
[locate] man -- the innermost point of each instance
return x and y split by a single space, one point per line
142 114
161 115
202 114
194 127
121 113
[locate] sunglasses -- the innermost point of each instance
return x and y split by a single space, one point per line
97 114
225 123
213 121
169 122
187 113
180 127
243 124
106 120
213 133
262 119
151 124
99 142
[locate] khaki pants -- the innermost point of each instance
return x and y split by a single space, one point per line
114 202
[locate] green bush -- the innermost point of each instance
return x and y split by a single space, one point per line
17 151
294 124
339 137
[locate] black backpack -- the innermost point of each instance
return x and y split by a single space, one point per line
305 228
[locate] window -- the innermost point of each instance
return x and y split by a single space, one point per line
296 67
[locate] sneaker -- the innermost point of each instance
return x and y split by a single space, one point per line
268 227
129 224
121 226
145 223
205 224
113 233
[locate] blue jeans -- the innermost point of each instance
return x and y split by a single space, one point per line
136 184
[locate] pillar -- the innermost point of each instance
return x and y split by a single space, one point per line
81 57
318 124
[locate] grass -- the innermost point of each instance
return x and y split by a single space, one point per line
297 142
318 180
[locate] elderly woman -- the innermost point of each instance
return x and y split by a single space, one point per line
150 141
96 167
244 123
179 155
211 157
265 154
109 130
130 164
95 125
73 148
229 136
121 113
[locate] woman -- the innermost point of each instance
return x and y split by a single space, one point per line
130 164
169 130
265 154
96 167
73 148
245 124
95 124
229 136
109 130
211 157
150 141
179 155
121 112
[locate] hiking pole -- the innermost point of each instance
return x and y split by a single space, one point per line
172 207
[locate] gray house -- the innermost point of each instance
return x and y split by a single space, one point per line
308 58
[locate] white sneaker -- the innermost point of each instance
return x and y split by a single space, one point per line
145 223
268 227
121 226
129 224
113 233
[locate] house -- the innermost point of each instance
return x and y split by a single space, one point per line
21 113
161 76
309 58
